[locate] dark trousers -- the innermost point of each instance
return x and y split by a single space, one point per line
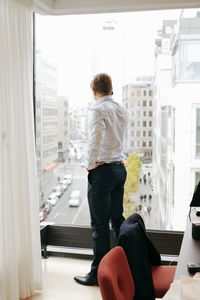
105 197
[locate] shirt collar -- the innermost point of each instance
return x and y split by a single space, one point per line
102 99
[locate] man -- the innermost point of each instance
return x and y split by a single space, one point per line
106 171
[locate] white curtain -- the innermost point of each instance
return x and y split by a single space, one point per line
20 261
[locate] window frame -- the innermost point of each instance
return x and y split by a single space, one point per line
167 242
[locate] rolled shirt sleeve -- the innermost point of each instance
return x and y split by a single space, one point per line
97 132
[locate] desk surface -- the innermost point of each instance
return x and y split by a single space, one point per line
190 250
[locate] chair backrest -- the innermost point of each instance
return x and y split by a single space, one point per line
114 276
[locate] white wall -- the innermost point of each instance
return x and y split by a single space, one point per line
184 97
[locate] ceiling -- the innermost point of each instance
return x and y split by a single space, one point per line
60 7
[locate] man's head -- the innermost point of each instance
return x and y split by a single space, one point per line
101 85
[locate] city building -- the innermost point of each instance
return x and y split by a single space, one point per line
63 128
177 117
78 124
163 125
138 97
111 35
46 119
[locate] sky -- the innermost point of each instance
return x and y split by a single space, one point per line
79 48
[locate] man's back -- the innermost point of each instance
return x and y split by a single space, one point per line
111 119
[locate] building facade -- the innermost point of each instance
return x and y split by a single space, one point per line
138 98
46 119
177 104
63 129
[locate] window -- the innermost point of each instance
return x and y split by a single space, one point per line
197 178
144 103
187 61
68 148
198 132
132 143
138 93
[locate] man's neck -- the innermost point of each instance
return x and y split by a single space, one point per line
98 96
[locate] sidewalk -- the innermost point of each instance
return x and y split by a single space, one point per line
151 218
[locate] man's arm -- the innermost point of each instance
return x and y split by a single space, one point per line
97 132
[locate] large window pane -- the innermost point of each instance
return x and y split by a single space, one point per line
146 66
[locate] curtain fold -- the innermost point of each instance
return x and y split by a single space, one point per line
20 261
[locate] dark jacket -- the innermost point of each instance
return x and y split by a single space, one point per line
141 254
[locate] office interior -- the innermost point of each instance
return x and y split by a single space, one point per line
39 262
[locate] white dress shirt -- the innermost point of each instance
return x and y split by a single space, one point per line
107 131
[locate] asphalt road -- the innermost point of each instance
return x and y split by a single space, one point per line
61 212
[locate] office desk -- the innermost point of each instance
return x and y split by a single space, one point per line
190 250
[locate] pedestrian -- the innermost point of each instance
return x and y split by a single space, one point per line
106 171
149 209
145 197
150 197
140 207
144 177
149 174
141 198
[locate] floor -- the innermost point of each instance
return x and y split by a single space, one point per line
58 282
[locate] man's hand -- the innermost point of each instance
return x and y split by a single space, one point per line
96 165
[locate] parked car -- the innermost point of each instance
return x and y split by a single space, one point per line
48 207
84 164
64 184
58 190
74 200
68 178
42 214
53 198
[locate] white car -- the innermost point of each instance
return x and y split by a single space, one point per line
68 178
84 164
58 190
64 184
74 200
53 198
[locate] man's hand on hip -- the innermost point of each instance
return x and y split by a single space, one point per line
96 165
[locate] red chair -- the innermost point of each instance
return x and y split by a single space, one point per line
116 282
